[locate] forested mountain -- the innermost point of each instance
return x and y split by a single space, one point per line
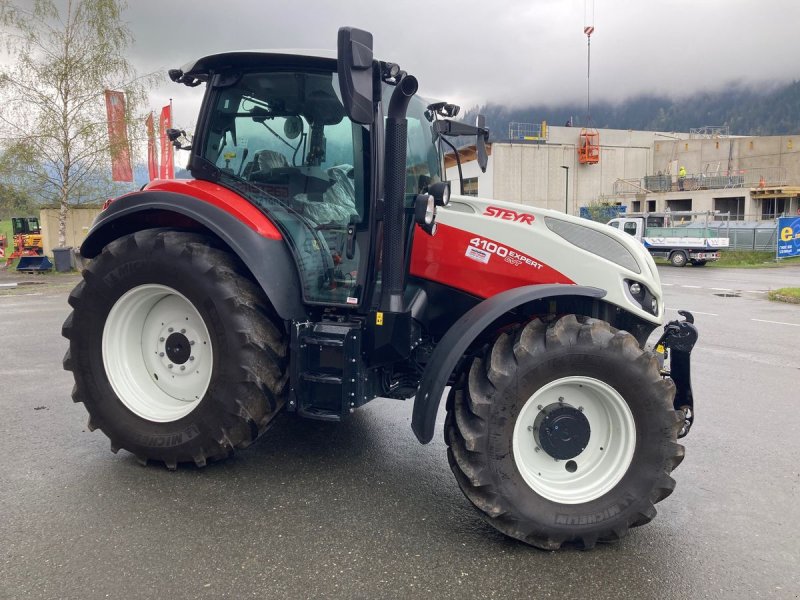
765 110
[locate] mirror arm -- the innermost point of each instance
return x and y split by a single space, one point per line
458 162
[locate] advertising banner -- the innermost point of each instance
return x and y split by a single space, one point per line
167 166
788 237
118 137
152 159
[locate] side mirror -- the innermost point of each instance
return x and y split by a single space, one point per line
480 144
354 64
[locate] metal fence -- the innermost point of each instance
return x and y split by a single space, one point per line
527 131
709 180
744 235
710 132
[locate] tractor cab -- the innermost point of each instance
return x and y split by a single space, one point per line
274 129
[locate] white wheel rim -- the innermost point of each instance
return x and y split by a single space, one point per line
151 368
604 460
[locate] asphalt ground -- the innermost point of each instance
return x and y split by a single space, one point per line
361 510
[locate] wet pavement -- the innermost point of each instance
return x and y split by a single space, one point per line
361 510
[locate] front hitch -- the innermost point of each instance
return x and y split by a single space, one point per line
676 343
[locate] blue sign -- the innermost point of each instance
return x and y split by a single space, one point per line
788 237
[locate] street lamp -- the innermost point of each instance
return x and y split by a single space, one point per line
566 190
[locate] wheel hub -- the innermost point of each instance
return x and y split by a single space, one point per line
177 348
563 432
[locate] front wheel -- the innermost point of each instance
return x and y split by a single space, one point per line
564 434
177 355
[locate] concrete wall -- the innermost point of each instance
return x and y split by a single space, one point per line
532 174
79 220
710 155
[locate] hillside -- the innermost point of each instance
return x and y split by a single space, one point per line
774 110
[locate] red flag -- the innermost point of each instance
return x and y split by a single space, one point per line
167 166
152 159
118 137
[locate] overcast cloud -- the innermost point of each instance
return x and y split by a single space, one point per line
514 52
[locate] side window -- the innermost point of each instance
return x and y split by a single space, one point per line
614 224
630 228
282 139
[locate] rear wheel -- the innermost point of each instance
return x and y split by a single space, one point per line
177 355
564 434
678 259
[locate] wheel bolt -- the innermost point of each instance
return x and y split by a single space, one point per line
539 407
169 366
170 330
191 358
580 408
183 331
161 354
191 343
160 339
561 399
183 367
536 449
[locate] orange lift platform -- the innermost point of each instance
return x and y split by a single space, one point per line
589 147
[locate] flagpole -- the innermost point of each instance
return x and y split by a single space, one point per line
171 147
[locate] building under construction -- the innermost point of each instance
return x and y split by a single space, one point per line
752 178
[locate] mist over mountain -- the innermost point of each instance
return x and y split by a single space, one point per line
765 110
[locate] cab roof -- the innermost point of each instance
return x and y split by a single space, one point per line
202 67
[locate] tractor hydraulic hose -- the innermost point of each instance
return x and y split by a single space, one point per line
395 190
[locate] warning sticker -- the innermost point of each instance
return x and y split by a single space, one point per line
477 254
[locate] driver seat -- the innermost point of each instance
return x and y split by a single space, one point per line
263 162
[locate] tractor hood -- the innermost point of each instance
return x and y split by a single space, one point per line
486 246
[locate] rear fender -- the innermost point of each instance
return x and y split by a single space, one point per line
250 235
463 333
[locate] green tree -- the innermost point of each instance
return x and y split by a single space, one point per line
53 119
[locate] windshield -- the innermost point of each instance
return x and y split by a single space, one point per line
283 141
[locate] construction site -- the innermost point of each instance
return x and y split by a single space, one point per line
754 178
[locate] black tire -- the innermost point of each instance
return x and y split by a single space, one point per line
247 385
486 402
699 263
678 259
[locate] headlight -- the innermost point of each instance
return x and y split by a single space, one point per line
639 294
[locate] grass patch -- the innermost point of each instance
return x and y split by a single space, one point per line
745 258
787 294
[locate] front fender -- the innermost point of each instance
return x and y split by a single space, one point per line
458 338
250 235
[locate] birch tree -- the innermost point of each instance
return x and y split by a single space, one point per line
65 54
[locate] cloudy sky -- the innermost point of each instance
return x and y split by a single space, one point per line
509 51
514 52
